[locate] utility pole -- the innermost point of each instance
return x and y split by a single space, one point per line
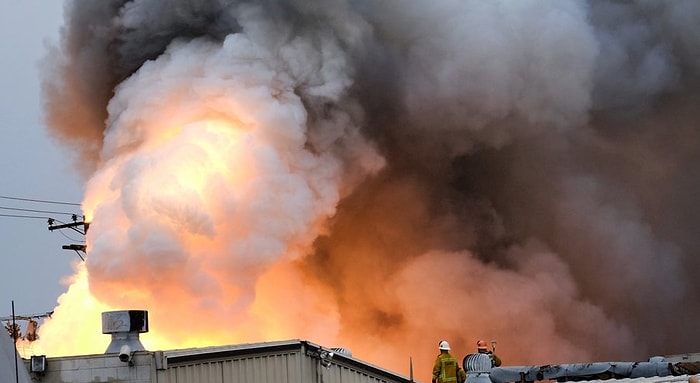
14 340
80 227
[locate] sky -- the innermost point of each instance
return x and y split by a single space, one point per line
33 165
350 172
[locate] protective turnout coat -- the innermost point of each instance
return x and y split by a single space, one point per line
446 369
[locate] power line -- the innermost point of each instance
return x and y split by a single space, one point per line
24 216
35 211
39 201
71 225
78 248
72 239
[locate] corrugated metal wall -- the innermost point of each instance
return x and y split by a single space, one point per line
291 367
282 368
345 374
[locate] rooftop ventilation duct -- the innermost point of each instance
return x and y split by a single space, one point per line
125 327
342 351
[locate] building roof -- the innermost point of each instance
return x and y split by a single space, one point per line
292 361
653 379
339 355
657 369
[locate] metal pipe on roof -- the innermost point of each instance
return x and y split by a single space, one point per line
581 371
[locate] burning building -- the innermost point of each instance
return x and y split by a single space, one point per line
385 174
125 360
293 361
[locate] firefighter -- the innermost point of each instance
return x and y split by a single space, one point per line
482 349
446 368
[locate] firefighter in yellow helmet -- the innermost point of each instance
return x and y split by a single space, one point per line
446 368
482 349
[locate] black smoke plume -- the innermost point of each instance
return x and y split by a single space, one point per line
533 168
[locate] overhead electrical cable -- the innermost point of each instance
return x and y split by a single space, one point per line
35 211
24 216
39 201
71 239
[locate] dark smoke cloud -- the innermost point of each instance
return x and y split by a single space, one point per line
541 169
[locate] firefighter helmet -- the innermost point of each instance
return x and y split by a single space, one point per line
444 345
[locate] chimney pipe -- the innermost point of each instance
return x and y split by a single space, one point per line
125 326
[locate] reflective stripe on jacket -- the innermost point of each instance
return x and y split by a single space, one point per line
445 368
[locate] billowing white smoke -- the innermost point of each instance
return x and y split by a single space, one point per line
209 176
383 175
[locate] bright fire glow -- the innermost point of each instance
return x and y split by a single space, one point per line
206 198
